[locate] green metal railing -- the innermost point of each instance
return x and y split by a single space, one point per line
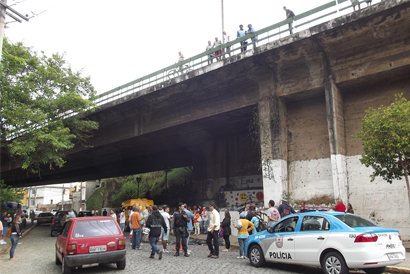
200 60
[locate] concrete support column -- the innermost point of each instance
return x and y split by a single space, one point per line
335 121
272 122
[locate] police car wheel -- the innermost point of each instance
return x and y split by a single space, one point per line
256 256
334 263
377 270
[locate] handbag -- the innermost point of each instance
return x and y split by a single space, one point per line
221 232
9 231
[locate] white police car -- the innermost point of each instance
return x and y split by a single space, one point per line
333 240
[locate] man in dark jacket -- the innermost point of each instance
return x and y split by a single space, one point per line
285 209
179 229
154 223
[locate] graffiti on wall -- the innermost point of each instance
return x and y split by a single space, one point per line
237 198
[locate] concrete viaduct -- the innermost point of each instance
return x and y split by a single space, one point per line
308 91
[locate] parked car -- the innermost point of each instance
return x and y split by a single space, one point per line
54 211
90 240
60 219
84 213
44 218
333 240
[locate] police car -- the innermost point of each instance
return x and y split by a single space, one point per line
333 240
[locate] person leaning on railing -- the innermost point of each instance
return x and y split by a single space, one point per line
251 30
289 14
240 33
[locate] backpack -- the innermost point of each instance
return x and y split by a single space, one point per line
238 224
291 13
262 225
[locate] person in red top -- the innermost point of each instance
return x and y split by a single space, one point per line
340 207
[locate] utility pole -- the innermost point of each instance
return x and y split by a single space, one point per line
222 7
62 199
3 12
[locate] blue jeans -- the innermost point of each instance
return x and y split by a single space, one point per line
153 242
122 226
205 227
187 239
242 242
136 238
14 241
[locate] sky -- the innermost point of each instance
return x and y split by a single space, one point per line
115 42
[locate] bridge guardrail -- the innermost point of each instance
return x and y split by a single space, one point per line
201 60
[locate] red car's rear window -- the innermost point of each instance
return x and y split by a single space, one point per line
95 228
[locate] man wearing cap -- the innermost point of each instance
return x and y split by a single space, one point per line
285 209
240 33
213 232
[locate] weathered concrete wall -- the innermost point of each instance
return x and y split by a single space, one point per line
385 203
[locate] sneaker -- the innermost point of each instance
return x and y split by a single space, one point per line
160 255
139 248
210 255
176 253
225 250
151 257
240 257
166 251
186 255
215 257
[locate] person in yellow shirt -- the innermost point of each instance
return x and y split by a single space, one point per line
243 234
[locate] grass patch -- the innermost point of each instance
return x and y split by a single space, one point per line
318 200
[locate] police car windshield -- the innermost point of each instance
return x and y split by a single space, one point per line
355 221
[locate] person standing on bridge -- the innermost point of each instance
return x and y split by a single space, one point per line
355 3
251 30
180 59
218 44
240 33
226 40
289 14
210 56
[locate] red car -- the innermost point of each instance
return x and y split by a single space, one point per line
90 240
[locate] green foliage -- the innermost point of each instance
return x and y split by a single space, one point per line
95 201
9 194
36 93
386 140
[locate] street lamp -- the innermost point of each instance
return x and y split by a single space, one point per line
139 181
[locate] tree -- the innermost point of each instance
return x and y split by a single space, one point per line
9 194
386 141
43 107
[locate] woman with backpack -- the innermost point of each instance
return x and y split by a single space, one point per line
226 226
243 234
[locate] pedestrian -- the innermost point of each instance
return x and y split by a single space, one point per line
339 207
122 219
251 30
213 232
96 212
249 214
355 3
24 219
32 216
240 33
136 229
205 218
179 229
226 226
302 207
92 212
189 224
350 208
113 215
155 223
369 3
289 14
285 209
165 233
105 213
4 221
243 234
218 44
145 214
255 221
15 236
196 223
180 59
272 213
210 56
227 40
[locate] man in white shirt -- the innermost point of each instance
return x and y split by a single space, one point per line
122 219
210 56
165 234
213 232
226 40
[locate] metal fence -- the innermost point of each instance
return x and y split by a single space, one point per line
330 10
